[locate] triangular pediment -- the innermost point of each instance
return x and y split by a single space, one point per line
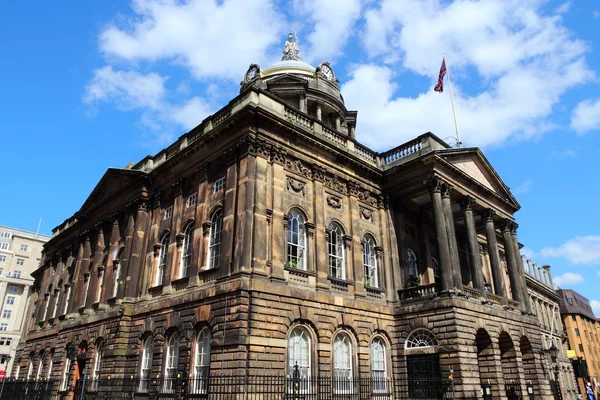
287 79
112 181
473 163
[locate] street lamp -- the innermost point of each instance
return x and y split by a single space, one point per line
188 333
7 358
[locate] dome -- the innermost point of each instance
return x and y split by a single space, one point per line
289 67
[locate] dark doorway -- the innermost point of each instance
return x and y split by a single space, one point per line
424 377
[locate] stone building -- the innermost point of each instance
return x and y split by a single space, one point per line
583 330
269 237
20 255
545 302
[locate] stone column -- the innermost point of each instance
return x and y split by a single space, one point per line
319 110
442 235
472 244
23 305
135 264
302 101
338 122
517 252
490 232
353 130
513 266
451 233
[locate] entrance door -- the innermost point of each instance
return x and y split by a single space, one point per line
424 377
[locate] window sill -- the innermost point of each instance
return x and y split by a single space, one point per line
180 283
299 271
155 290
340 280
374 289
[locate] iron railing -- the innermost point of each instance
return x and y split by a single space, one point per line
220 387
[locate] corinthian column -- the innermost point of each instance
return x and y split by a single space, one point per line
490 232
441 234
451 233
136 260
513 268
472 244
517 252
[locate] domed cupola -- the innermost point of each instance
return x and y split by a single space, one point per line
311 90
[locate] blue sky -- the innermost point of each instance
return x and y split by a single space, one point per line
91 85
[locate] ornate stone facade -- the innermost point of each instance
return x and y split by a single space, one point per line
269 225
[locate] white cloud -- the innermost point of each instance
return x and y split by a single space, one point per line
211 38
332 22
586 116
523 187
579 250
132 90
128 89
568 278
524 59
595 307
528 252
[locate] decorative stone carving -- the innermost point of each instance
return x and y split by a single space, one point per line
206 228
177 187
296 186
435 184
365 213
318 172
310 228
467 203
333 182
297 167
347 241
334 202
269 216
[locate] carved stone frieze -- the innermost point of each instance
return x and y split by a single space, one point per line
297 167
334 202
333 182
296 185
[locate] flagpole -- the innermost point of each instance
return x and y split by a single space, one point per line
459 143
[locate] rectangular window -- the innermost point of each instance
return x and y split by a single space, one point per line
3 246
24 247
10 300
570 301
580 347
219 185
576 331
20 261
6 314
192 200
5 341
6 235
13 289
1 271
3 326
2 258
573 318
17 274
168 212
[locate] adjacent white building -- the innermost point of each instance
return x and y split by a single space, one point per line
20 253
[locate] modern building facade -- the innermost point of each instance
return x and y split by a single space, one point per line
583 331
545 303
268 239
20 255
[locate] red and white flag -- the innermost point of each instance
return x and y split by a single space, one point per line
440 85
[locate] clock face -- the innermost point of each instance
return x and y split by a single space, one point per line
252 73
327 72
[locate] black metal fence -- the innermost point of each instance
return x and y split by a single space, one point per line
233 387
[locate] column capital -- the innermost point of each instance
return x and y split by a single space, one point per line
507 225
467 203
514 228
446 189
177 187
488 215
435 184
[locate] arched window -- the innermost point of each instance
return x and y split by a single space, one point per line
56 299
162 260
420 338
86 284
201 361
38 374
370 261
172 357
214 239
47 301
97 368
186 251
413 269
436 267
101 273
30 368
299 349
296 244
64 383
49 371
117 271
335 249
146 364
67 295
378 366
342 363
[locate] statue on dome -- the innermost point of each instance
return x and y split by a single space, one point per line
291 50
